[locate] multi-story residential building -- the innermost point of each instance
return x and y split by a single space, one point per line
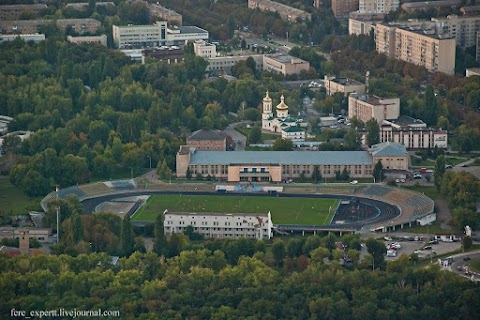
360 26
37 37
412 133
142 36
81 26
342 8
13 12
286 12
179 36
204 49
343 85
366 107
284 64
416 45
209 140
156 11
220 225
411 7
378 6
463 29
81 6
89 39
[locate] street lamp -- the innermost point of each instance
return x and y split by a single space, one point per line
57 189
170 176
150 158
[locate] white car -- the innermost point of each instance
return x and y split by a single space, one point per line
418 252
354 182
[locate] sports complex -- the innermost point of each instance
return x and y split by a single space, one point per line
305 208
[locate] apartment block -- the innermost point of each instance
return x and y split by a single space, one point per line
378 6
142 36
81 26
418 46
224 64
366 107
463 29
89 39
284 64
361 26
220 226
343 85
13 12
37 37
410 7
342 8
159 12
286 12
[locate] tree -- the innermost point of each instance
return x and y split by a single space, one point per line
160 244
378 173
345 176
373 132
316 175
467 242
127 238
189 174
255 135
439 171
430 113
281 144
163 171
279 251
352 140
377 249
76 228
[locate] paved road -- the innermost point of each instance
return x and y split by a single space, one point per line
239 139
460 266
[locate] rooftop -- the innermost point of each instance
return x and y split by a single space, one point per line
206 134
282 157
388 149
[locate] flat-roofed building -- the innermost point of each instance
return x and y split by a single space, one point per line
411 7
142 36
81 26
156 11
40 234
88 39
224 64
168 54
286 12
14 12
82 6
342 8
220 225
37 37
378 6
274 166
418 46
343 85
366 107
204 49
180 36
284 64
463 29
360 26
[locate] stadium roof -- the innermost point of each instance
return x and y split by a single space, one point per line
282 157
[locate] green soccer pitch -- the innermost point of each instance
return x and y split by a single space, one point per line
300 211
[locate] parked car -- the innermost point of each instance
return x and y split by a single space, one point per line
354 182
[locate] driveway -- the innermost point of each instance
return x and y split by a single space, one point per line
239 139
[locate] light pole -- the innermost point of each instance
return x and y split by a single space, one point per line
150 158
57 189
373 261
170 177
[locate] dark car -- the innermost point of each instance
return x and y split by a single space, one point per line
466 258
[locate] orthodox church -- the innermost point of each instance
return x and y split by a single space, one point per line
283 123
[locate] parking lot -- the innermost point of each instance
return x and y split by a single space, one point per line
409 245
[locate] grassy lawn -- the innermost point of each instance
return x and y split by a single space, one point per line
429 191
475 265
301 211
14 201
